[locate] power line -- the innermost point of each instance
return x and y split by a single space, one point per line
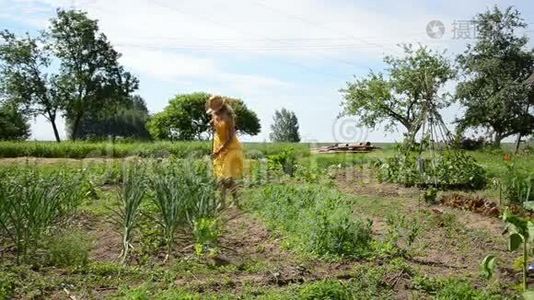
317 24
158 3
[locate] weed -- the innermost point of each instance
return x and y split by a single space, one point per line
68 249
317 220
402 232
517 184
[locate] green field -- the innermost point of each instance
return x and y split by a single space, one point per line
330 230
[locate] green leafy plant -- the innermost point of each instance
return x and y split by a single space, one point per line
517 184
333 232
402 233
429 195
206 233
520 233
447 169
316 220
286 160
488 266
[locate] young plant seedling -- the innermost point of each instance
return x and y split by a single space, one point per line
521 233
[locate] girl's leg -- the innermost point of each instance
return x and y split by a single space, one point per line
224 191
234 190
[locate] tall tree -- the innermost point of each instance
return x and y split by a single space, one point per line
412 82
127 120
90 76
24 77
285 127
185 118
13 124
495 91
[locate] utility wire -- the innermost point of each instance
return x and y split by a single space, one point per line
163 5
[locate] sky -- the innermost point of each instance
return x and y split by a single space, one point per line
270 53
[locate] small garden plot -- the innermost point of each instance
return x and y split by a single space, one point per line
151 229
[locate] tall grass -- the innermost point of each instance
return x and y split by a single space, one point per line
31 203
180 149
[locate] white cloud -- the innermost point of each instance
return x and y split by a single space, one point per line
164 64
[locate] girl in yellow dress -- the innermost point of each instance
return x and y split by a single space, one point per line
227 152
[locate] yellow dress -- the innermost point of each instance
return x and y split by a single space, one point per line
229 163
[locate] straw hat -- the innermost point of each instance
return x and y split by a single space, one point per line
214 104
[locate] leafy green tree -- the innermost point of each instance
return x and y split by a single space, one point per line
13 124
90 76
494 91
24 78
127 120
412 83
285 127
185 118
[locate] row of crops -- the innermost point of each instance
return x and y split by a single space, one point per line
180 196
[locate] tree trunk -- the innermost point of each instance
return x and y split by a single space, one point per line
75 126
517 143
52 119
56 133
497 139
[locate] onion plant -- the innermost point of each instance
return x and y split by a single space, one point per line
201 193
30 204
183 193
130 195
169 198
